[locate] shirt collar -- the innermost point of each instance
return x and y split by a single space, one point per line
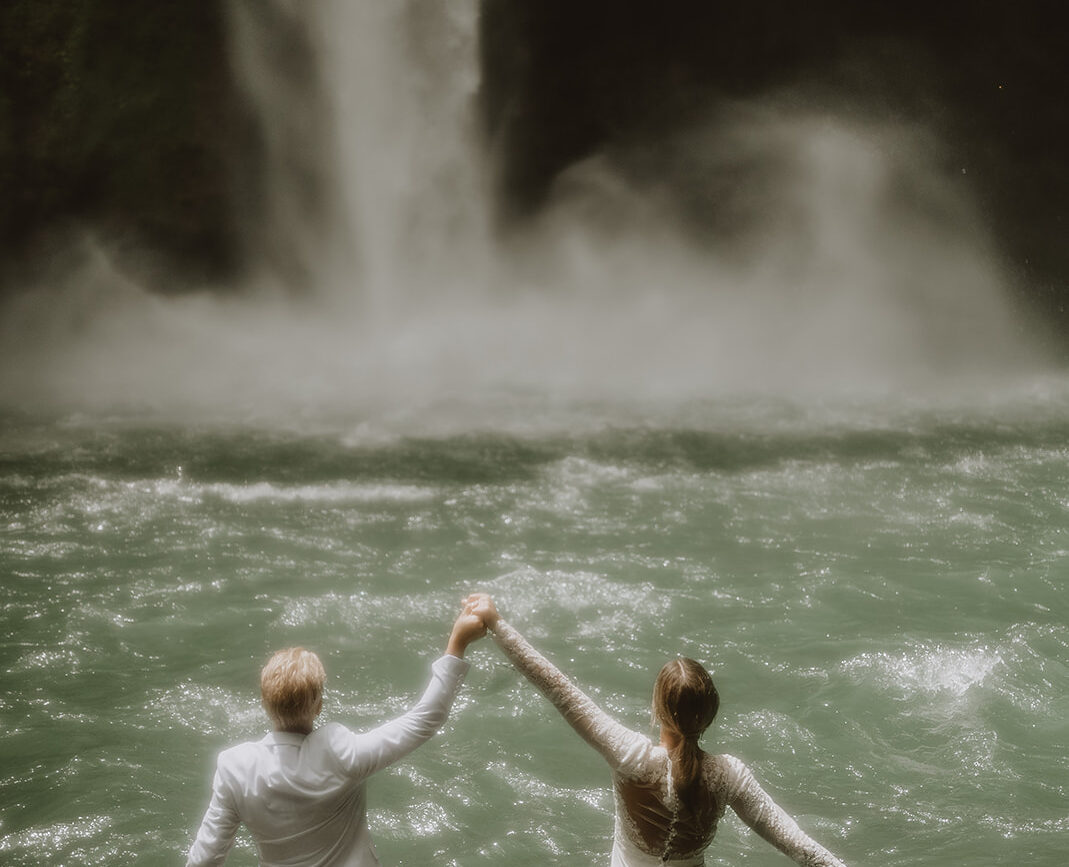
288 738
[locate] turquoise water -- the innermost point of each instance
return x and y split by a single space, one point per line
878 591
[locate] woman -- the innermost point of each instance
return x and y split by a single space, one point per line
669 796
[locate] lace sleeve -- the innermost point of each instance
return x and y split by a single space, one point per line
627 752
753 805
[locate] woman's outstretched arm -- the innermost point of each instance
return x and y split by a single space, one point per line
753 805
625 751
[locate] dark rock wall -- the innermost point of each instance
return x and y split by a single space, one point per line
120 115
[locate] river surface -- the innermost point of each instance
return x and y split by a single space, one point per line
879 591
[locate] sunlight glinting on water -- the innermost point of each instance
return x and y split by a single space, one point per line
888 657
833 475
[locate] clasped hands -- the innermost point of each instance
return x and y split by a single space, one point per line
478 615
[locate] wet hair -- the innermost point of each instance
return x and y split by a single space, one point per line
685 701
291 687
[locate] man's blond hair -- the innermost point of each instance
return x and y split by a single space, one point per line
291 687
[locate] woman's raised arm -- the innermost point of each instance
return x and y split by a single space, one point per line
754 806
626 751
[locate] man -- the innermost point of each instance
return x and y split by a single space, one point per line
301 791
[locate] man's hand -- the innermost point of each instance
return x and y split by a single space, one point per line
468 628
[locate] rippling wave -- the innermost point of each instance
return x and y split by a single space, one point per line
880 594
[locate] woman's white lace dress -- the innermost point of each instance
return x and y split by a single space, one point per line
652 827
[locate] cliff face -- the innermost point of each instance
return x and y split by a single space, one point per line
121 116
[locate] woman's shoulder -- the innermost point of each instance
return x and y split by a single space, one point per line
635 746
724 770
634 756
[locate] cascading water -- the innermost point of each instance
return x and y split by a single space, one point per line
394 185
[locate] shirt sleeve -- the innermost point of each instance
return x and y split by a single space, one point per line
626 751
753 805
217 829
363 754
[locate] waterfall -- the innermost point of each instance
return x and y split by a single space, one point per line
372 166
843 254
849 254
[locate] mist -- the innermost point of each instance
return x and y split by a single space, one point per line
764 249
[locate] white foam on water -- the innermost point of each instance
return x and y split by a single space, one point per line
777 731
369 611
615 605
566 490
358 609
205 709
109 497
574 477
422 818
50 841
69 660
1010 829
329 493
926 670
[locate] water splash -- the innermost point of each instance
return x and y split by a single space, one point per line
928 671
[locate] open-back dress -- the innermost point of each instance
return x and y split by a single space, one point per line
652 826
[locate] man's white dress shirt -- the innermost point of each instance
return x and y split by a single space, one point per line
303 797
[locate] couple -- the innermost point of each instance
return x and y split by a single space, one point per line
301 791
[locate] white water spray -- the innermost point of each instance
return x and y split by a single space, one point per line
856 263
